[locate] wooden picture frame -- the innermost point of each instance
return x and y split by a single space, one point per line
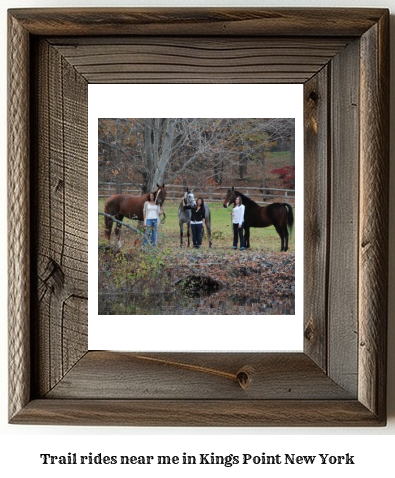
342 58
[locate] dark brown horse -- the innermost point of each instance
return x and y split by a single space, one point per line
279 215
125 205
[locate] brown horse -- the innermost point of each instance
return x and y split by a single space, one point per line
125 205
279 215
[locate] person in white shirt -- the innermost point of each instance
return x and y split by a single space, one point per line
151 213
238 223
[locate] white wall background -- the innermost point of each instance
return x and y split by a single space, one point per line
22 445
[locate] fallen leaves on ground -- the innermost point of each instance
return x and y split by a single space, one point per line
240 282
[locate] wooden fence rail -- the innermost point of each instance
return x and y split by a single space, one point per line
211 194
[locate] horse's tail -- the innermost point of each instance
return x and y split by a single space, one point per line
290 216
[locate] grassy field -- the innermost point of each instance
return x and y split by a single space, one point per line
262 239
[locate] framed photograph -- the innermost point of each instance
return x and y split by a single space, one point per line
340 60
252 142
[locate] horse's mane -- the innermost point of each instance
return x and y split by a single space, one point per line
246 200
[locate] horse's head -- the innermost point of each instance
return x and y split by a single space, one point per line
230 197
189 198
160 194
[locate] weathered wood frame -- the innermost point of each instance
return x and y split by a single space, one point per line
342 57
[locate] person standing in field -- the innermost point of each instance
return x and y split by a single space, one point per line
238 223
151 214
198 219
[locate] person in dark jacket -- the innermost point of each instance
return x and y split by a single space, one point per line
197 222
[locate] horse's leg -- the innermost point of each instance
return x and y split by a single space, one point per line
208 227
188 232
108 222
181 232
247 237
288 221
286 237
280 232
118 229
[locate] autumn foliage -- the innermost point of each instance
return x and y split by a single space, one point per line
286 175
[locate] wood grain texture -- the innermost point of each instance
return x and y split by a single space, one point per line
192 59
18 218
202 413
196 376
317 387
61 198
373 231
316 213
259 22
344 211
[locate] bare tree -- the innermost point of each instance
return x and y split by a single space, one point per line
157 150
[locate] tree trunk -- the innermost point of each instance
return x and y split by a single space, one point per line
118 153
242 166
149 153
218 171
263 166
163 150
